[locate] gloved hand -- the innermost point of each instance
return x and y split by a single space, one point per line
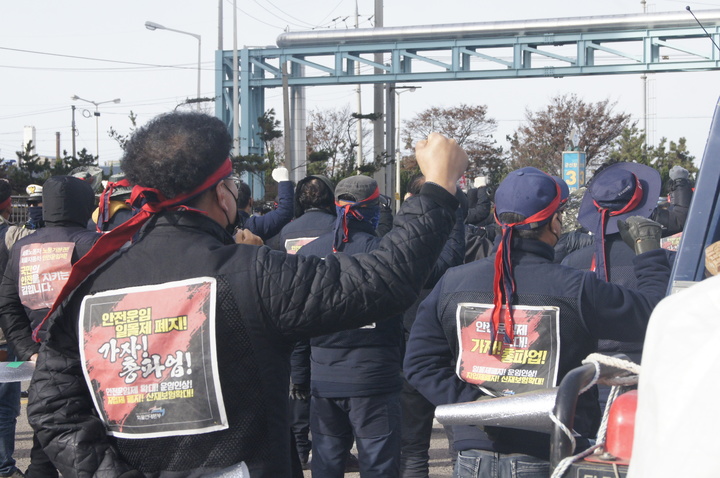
299 391
280 174
678 172
385 202
640 233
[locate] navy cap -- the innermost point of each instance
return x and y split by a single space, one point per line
613 188
564 190
526 191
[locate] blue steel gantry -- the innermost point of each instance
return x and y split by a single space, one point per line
616 44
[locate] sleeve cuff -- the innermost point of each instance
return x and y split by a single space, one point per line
440 195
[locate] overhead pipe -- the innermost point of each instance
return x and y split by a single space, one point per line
501 28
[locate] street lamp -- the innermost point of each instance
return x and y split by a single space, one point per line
97 115
399 90
156 26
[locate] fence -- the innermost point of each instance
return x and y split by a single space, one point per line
19 213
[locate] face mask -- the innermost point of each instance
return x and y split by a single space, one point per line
233 226
36 216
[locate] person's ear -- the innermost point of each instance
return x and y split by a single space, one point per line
220 196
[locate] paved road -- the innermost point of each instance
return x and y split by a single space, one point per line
440 465
23 436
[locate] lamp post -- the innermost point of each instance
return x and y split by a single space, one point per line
399 90
97 115
156 26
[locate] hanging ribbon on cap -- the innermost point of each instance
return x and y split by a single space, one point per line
104 203
345 208
154 202
599 260
504 282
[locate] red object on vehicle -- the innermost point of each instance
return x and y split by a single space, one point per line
621 425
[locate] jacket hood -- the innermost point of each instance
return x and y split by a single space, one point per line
67 201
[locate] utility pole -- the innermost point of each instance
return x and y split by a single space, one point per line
379 93
359 103
220 25
644 79
74 131
236 86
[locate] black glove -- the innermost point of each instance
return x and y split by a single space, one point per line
299 391
385 202
640 233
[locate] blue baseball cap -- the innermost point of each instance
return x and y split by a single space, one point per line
526 192
614 188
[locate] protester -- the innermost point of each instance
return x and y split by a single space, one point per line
479 227
417 412
618 192
674 214
34 211
355 376
267 225
314 214
36 271
9 391
193 301
491 326
114 205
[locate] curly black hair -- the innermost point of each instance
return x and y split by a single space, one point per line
315 194
176 152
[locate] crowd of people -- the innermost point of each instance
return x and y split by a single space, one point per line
177 334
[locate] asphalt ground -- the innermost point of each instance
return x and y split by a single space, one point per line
23 435
440 464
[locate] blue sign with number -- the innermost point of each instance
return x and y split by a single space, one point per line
574 169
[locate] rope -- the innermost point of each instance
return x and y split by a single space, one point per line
628 373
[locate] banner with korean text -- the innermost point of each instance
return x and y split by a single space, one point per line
150 361
529 363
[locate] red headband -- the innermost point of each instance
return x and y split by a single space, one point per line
605 213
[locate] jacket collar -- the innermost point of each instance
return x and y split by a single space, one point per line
188 219
523 247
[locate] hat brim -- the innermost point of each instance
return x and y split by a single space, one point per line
651 183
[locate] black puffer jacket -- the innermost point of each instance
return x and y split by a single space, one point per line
266 301
67 205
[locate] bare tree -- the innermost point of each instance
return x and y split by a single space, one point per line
470 126
542 139
331 138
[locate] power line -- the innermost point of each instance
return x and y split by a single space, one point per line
97 59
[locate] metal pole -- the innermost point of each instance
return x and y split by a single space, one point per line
220 25
378 90
74 131
97 134
236 86
286 117
199 66
358 127
398 155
